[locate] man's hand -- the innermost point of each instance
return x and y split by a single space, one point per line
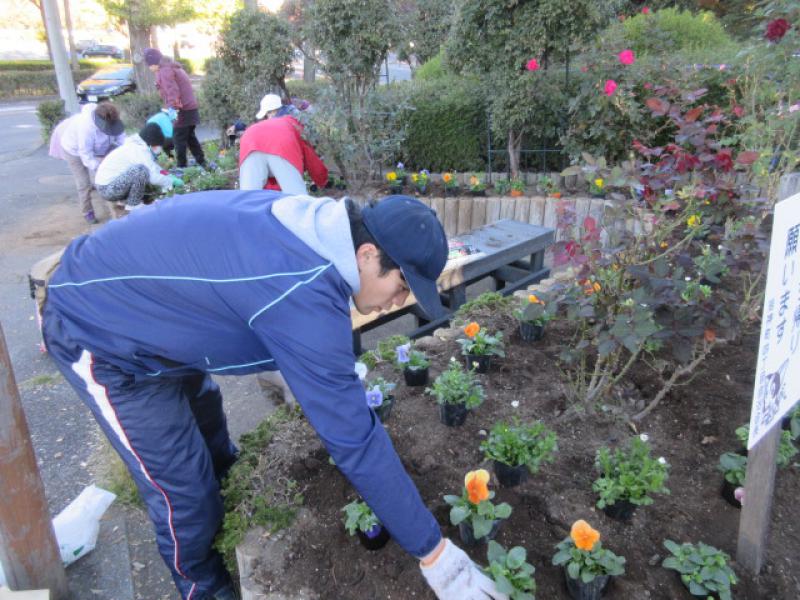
453 576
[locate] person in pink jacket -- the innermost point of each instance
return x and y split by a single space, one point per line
275 148
176 92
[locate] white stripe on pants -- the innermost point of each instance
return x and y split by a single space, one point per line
259 166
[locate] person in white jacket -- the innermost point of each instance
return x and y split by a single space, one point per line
83 140
124 174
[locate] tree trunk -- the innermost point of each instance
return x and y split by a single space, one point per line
153 36
73 53
140 41
40 5
514 147
66 85
309 65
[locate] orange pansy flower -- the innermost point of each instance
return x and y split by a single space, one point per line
596 287
477 484
583 535
447 177
534 299
472 329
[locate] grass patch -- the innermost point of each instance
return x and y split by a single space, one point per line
42 380
115 477
247 505
493 301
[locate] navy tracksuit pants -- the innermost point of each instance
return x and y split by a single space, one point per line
173 436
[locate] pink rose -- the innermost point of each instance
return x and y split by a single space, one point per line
610 87
532 65
626 57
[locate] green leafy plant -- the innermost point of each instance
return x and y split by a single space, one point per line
516 444
476 183
536 309
359 517
786 448
794 421
703 569
584 557
546 184
489 301
407 358
502 186
50 113
511 572
711 265
457 386
474 506
733 467
421 180
387 347
480 343
370 359
517 185
629 474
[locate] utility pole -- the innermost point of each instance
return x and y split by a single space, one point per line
66 85
28 550
73 54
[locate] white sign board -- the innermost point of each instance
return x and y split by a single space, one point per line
777 385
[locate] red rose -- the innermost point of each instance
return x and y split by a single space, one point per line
776 29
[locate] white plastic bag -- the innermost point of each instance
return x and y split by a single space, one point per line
78 524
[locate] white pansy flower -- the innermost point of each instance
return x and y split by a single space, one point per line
361 370
662 460
644 437
515 403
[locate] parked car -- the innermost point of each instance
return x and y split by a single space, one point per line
103 50
108 82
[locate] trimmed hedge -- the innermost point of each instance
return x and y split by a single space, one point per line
446 127
33 83
136 108
50 113
46 65
298 88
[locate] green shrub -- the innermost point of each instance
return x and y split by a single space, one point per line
298 88
50 114
33 83
137 108
187 65
446 128
432 69
672 30
46 65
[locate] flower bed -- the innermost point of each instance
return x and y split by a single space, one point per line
690 432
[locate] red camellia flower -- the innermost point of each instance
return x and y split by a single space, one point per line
645 11
610 87
724 161
532 65
626 57
776 29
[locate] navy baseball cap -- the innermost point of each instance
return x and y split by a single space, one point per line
411 235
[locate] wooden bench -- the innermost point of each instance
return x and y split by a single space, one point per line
508 251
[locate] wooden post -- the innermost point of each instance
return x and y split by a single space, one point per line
757 505
28 549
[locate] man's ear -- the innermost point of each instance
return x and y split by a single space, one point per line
365 252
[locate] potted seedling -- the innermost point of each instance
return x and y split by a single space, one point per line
414 364
450 182
380 397
549 187
518 450
394 182
627 476
512 574
477 518
533 314
733 466
502 187
703 569
786 448
597 187
588 567
476 185
421 180
479 347
457 392
517 187
360 520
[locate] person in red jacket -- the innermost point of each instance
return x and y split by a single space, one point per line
176 92
275 148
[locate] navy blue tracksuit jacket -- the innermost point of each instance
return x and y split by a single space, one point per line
142 311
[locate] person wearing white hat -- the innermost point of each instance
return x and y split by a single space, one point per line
273 154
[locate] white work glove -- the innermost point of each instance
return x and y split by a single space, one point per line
453 576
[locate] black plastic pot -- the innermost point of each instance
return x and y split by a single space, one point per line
727 492
374 540
593 590
482 362
530 332
509 476
453 415
468 536
385 409
477 192
621 510
450 193
415 377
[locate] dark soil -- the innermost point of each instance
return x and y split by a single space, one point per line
691 428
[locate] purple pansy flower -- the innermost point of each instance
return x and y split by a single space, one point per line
402 353
374 397
401 166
